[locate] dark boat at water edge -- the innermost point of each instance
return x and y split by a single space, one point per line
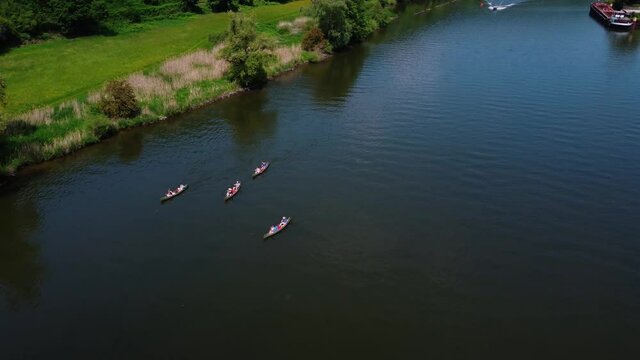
613 19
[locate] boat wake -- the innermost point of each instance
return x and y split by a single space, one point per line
500 7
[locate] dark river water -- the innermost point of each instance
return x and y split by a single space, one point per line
464 184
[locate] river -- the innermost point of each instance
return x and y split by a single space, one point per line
463 184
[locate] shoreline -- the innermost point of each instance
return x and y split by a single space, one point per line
90 129
142 121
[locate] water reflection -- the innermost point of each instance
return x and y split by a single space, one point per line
130 146
625 42
248 117
20 268
332 79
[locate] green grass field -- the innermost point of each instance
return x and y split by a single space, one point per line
59 70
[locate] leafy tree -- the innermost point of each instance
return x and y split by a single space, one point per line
333 21
359 19
188 5
223 5
8 35
119 100
344 22
77 17
247 51
313 39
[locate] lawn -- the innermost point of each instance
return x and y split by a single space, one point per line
59 70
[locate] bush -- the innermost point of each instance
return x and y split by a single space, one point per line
189 5
247 51
313 39
8 35
223 5
119 100
333 21
104 131
344 22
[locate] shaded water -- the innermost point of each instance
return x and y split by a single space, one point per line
464 184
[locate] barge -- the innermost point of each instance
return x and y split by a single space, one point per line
613 19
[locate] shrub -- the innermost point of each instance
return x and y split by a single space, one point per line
104 131
189 5
8 35
333 21
119 100
313 39
223 5
247 51
350 21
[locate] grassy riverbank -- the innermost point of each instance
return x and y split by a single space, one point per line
55 88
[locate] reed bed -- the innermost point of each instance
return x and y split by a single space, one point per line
288 54
179 73
37 117
66 144
296 26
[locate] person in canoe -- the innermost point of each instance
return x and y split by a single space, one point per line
181 187
236 185
257 171
170 193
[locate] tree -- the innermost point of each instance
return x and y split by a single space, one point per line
189 5
119 100
8 35
358 17
313 39
247 51
223 5
77 17
333 21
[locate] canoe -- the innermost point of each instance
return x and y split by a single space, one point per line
176 193
234 194
270 234
262 169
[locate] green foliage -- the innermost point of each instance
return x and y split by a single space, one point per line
345 22
333 21
119 100
189 5
8 35
40 76
313 39
36 18
247 51
359 18
223 5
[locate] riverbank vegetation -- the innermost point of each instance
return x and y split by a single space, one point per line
240 51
